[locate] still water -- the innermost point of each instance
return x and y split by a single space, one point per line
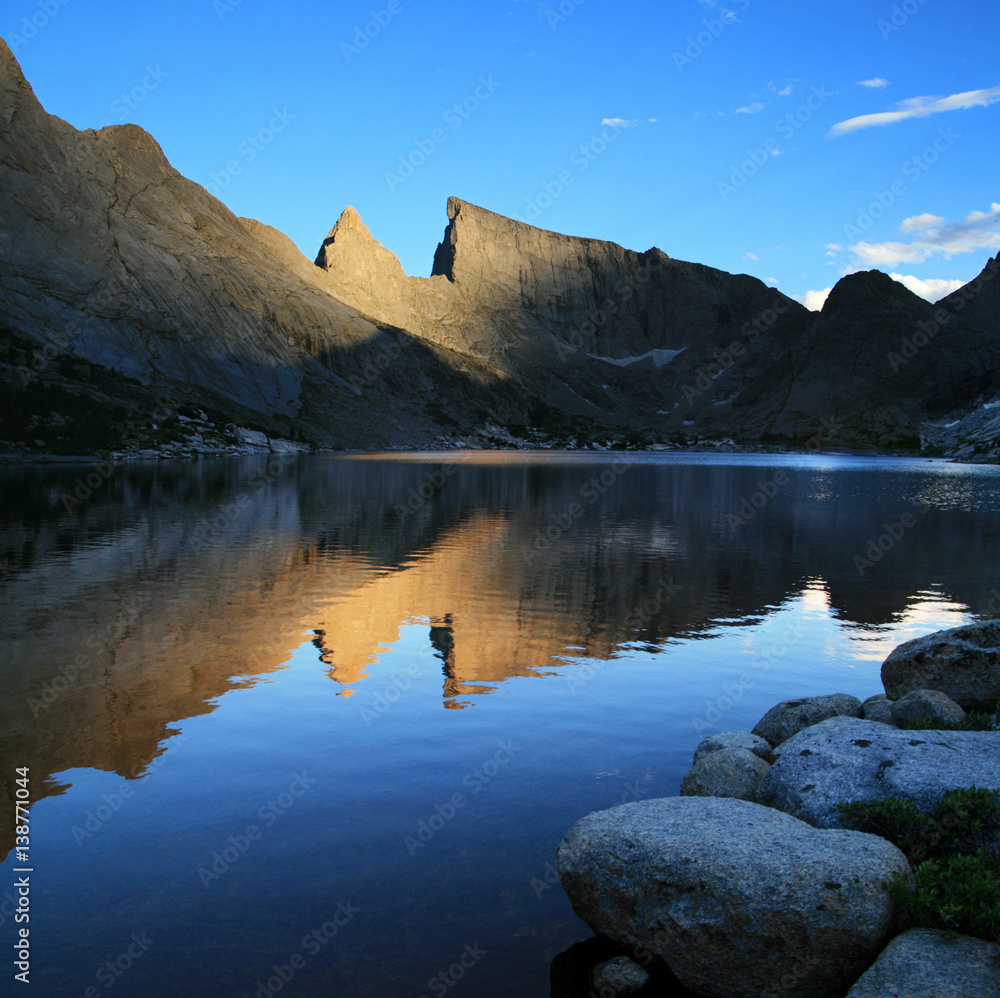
316 726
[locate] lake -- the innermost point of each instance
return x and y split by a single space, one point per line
316 725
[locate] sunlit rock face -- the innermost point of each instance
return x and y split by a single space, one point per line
111 257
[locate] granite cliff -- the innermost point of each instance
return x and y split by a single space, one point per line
123 284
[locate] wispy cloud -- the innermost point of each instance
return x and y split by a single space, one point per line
620 122
750 256
919 107
753 108
917 223
874 82
979 230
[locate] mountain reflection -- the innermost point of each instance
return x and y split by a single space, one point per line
174 584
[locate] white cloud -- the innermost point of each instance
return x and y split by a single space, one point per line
874 82
620 122
813 300
919 107
750 256
979 230
653 120
753 108
932 289
916 223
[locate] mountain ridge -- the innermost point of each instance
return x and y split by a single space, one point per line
114 262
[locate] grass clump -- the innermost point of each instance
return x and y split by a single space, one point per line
953 886
973 721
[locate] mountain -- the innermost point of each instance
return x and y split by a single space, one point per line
130 296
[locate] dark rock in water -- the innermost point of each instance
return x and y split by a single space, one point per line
929 704
963 662
619 976
845 758
791 716
925 963
737 899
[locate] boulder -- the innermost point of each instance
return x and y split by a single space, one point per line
924 963
734 739
791 716
963 662
730 772
619 976
939 707
877 708
737 899
846 758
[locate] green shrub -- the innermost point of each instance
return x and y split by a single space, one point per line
953 885
973 721
959 893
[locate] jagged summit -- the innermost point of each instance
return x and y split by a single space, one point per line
122 264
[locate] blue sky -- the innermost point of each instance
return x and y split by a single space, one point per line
795 142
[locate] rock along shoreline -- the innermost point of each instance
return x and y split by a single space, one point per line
748 885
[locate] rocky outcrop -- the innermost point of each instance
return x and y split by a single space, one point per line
963 662
877 708
728 772
135 283
925 963
737 899
790 716
846 758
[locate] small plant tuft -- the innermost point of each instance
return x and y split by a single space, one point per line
973 721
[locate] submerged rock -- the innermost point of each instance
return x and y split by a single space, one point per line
619 976
963 662
846 758
941 709
737 899
730 772
791 716
924 963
